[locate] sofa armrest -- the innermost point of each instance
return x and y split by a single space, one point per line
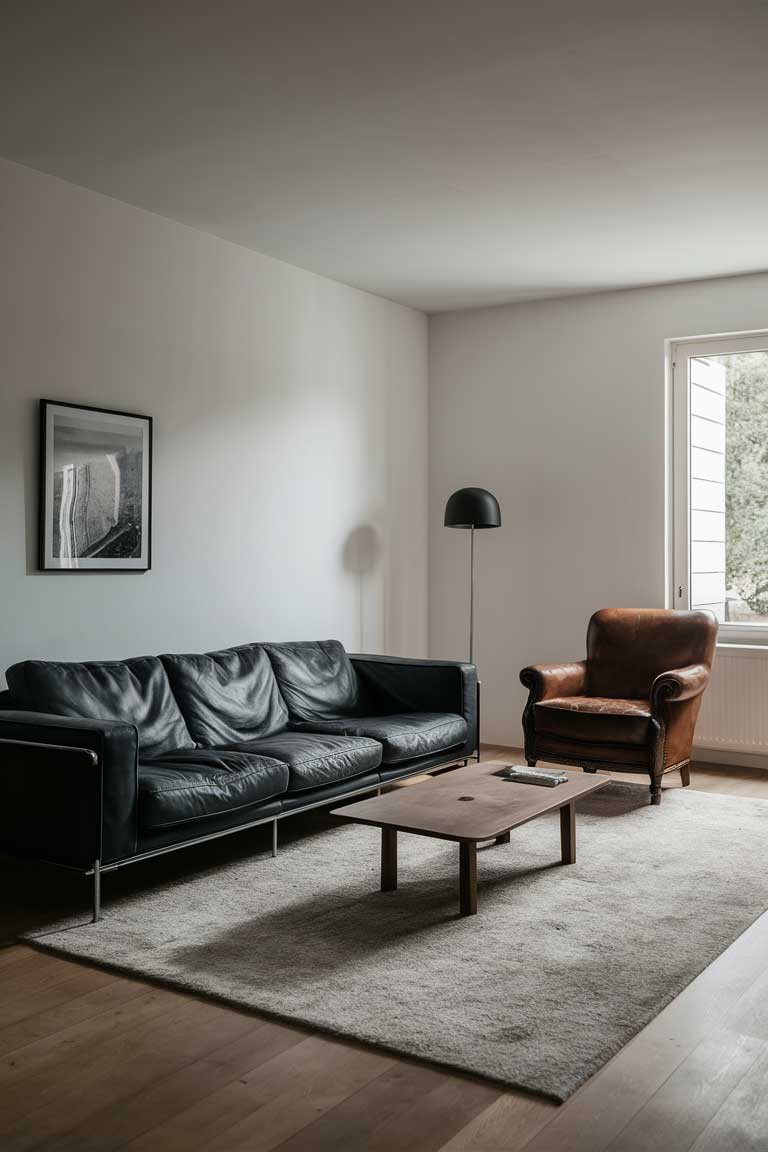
68 787
678 684
547 681
400 684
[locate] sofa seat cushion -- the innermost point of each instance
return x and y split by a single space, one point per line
601 719
404 735
227 696
186 786
134 691
315 759
316 679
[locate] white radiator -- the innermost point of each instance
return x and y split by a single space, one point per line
734 712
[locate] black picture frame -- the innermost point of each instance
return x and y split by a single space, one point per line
108 454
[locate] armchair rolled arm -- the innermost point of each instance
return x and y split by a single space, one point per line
678 684
53 769
546 681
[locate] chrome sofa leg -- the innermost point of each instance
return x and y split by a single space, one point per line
96 891
274 838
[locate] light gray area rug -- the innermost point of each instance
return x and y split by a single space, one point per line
559 969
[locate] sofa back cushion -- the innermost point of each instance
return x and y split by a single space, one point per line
227 697
134 691
316 679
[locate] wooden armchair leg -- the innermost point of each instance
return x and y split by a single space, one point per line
656 791
685 774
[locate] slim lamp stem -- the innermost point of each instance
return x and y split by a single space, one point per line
471 595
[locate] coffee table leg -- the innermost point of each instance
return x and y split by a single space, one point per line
388 859
568 833
467 879
503 839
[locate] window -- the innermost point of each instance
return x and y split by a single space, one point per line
720 482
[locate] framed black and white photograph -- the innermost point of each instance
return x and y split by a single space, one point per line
96 489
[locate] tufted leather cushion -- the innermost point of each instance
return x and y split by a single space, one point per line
403 736
315 760
189 786
227 697
133 691
595 718
316 679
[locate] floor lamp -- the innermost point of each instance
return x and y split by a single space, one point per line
472 508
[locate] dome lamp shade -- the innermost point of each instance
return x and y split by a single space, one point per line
472 508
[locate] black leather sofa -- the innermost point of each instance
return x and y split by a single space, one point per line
103 764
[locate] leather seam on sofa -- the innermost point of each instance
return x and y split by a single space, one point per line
207 815
402 759
210 781
432 728
349 722
369 745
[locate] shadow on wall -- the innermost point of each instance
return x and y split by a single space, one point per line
360 556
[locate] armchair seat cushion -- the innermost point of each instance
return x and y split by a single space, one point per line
315 759
404 735
595 719
191 785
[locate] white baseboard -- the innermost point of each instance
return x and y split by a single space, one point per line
727 758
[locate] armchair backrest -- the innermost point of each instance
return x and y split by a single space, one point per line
627 648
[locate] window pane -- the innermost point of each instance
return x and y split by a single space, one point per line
706 403
708 434
729 486
706 465
707 496
707 526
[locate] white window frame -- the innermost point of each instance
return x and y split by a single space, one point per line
680 351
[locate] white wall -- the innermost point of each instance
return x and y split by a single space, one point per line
290 427
559 408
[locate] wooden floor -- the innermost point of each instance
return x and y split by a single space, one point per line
90 1061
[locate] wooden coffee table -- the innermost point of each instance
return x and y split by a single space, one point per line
469 805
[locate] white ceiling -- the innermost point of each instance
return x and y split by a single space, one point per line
438 152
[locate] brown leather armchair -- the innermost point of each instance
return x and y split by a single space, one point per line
632 704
